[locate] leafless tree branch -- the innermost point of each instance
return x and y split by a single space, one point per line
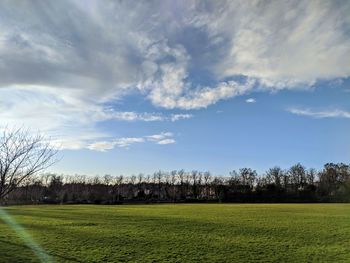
22 155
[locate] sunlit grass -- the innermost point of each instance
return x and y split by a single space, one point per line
25 236
181 233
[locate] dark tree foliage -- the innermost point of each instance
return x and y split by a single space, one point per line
296 184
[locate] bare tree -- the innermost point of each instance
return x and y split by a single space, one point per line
132 180
297 174
310 176
107 179
247 177
173 182
207 178
159 177
119 181
22 155
194 177
140 179
275 176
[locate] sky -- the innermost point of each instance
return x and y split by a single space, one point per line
123 87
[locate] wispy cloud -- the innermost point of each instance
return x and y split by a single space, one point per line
59 70
176 117
250 100
134 116
102 146
148 117
69 121
233 38
333 113
159 137
125 142
166 141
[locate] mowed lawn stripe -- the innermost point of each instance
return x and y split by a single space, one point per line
182 233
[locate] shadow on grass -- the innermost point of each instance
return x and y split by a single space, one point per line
51 254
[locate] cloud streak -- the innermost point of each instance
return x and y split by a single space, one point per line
334 113
250 100
125 142
149 117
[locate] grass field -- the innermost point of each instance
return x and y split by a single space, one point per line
177 233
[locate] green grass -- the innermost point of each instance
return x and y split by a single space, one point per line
181 233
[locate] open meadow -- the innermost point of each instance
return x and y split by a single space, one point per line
176 233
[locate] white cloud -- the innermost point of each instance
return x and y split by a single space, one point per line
333 113
134 116
207 96
101 146
283 44
69 121
119 142
125 142
166 141
148 117
176 117
161 138
59 70
250 100
228 38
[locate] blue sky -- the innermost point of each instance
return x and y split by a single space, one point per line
135 87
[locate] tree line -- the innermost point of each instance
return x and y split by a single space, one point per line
23 156
296 184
